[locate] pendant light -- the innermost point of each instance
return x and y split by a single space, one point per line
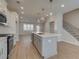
51 7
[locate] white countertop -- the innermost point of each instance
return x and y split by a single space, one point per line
47 34
45 42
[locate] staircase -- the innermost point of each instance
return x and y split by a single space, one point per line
71 29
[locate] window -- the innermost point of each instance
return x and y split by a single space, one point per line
28 27
24 27
37 28
31 27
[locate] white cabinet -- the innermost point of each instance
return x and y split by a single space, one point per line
38 43
46 44
3 4
3 48
49 47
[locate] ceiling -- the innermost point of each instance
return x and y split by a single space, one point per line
31 7
35 8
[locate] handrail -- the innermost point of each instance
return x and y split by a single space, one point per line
71 29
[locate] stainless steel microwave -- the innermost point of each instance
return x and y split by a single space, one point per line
3 19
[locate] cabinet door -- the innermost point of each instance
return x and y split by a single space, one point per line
39 43
52 25
1 50
5 49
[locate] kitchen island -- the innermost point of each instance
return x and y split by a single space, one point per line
46 43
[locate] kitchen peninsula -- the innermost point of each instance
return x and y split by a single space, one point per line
46 43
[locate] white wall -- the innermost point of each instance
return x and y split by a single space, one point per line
59 22
72 17
47 24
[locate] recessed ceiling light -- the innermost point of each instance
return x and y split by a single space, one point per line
42 18
22 7
38 20
62 5
22 12
21 17
51 13
47 15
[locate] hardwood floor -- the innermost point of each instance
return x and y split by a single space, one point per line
25 50
67 51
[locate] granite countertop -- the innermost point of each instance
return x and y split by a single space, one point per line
3 35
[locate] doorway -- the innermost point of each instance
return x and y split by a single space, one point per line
52 27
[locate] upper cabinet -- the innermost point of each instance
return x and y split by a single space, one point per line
12 18
12 5
3 3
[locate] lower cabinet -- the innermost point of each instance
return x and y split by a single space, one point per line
3 48
46 46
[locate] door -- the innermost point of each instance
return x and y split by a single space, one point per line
51 27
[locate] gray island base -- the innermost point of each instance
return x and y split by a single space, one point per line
46 43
